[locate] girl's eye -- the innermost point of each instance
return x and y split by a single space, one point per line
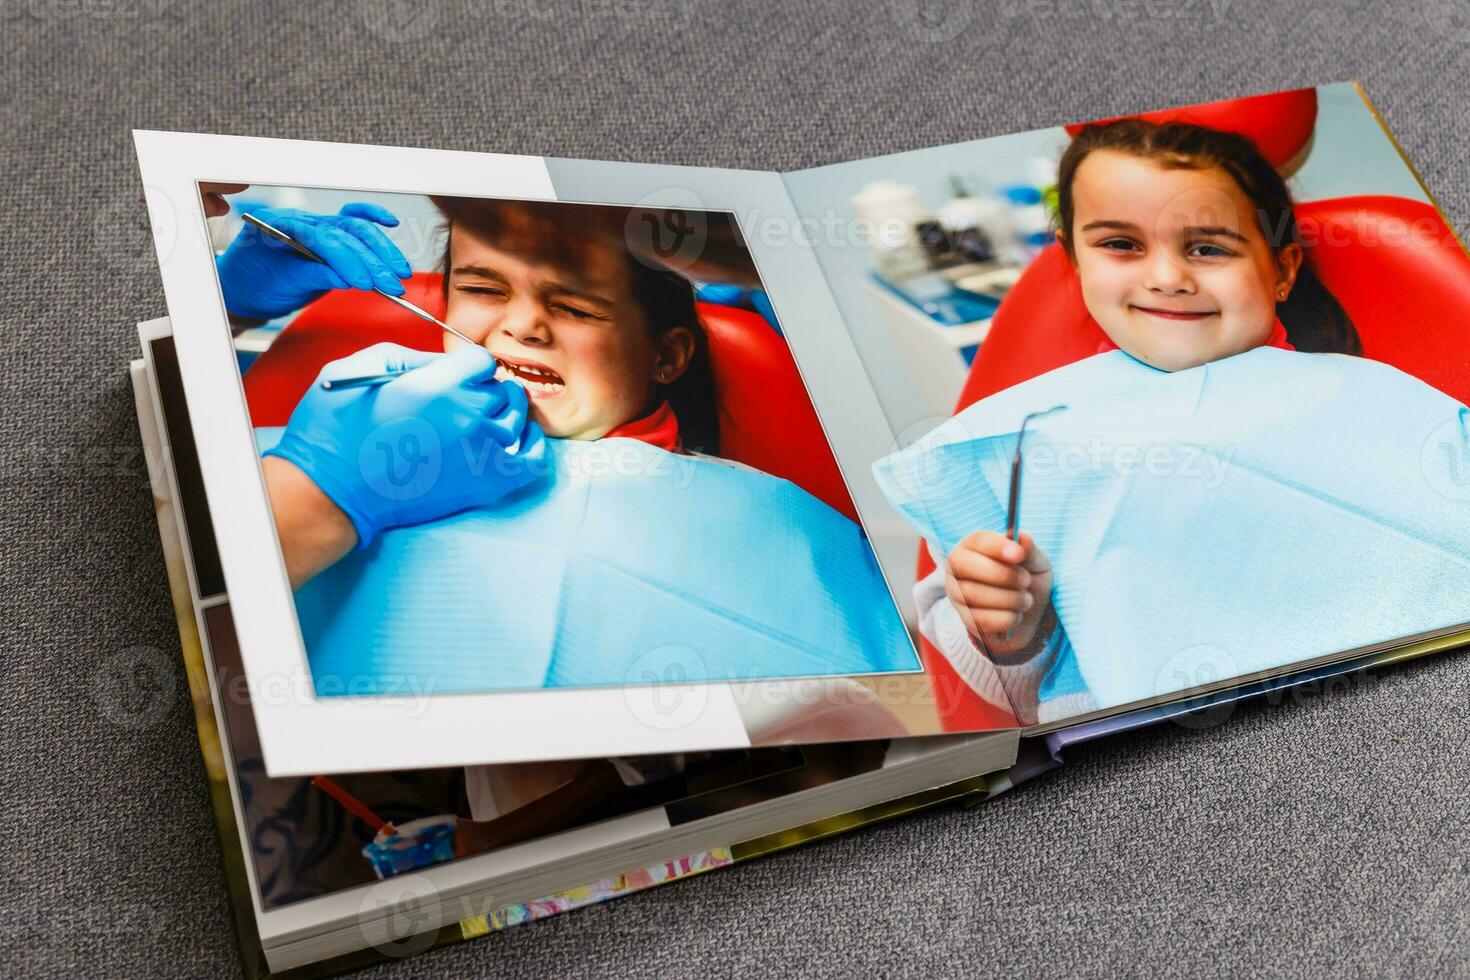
1117 245
1206 250
576 312
482 290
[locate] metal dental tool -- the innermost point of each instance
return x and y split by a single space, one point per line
307 253
1013 505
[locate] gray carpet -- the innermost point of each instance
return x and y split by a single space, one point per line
1323 836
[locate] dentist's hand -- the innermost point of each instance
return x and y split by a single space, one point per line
262 278
442 438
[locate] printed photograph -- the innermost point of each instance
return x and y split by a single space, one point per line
513 445
1183 395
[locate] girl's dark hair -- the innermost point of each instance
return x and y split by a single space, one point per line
568 235
1312 316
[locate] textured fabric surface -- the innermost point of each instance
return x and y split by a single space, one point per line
1325 835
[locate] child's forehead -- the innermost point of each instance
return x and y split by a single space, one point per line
586 261
1119 187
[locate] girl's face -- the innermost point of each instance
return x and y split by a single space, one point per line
575 340
1173 264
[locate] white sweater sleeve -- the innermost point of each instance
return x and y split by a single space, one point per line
1010 685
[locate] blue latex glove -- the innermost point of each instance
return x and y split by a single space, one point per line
728 294
262 278
442 438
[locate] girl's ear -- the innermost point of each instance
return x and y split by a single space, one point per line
675 350
1288 264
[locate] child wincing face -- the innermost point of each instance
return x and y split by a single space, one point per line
572 333
1174 264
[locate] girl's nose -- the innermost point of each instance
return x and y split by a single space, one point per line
1166 275
526 322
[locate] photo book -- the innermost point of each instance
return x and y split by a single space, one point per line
541 530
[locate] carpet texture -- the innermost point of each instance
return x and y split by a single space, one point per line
1326 835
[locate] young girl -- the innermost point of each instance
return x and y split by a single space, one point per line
542 509
1177 483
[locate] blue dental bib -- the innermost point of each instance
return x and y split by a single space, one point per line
625 563
1239 516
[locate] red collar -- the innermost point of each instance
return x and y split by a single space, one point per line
1277 339
658 428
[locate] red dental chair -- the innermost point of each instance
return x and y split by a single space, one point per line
766 419
1393 264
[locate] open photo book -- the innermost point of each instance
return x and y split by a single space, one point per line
543 529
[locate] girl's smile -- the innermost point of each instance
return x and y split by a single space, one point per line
1175 314
1172 260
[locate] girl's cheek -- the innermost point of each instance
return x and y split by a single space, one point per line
473 324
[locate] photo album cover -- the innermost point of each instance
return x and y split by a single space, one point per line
533 521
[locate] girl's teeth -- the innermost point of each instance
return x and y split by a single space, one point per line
527 376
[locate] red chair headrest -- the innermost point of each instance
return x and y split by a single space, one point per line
1280 124
766 419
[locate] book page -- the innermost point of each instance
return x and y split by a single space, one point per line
1180 398
526 459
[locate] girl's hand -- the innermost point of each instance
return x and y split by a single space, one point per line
1001 588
